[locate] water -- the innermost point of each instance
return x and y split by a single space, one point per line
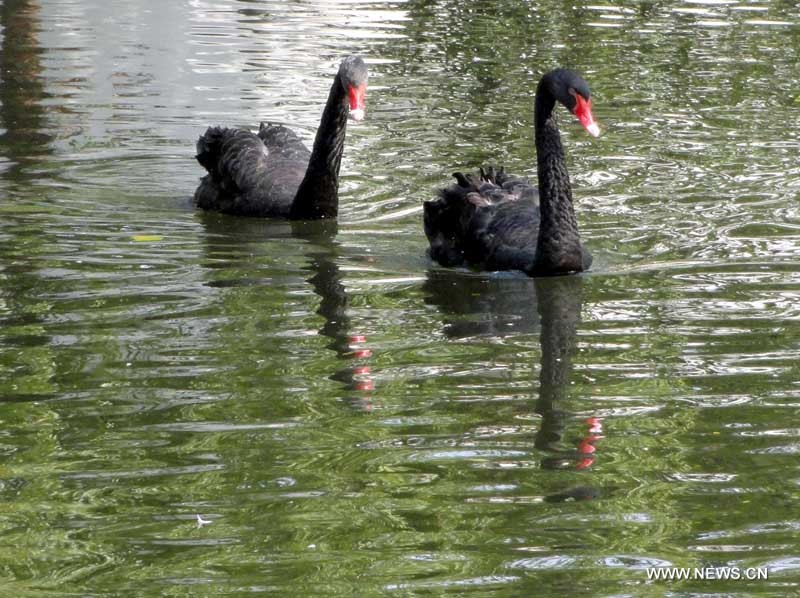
348 417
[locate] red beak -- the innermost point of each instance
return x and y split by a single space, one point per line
583 110
357 96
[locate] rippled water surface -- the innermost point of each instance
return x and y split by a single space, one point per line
195 404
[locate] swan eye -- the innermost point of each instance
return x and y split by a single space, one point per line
575 95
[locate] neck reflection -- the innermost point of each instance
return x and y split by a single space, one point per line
507 305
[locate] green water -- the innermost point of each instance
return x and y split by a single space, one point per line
347 416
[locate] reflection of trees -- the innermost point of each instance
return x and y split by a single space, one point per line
22 88
501 306
30 360
484 41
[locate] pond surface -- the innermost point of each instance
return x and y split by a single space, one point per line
348 417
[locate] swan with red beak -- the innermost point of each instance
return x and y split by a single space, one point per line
272 173
496 221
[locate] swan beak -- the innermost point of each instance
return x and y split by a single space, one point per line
357 95
583 110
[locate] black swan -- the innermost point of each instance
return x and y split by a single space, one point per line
495 221
272 173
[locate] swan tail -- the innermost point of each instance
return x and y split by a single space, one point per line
235 161
458 223
442 219
447 218
209 148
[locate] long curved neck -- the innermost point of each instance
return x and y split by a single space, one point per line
558 247
318 194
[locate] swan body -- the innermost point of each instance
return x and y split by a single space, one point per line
272 173
495 221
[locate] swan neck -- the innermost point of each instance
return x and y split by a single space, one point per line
318 194
558 247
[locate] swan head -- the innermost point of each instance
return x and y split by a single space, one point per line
569 88
353 75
